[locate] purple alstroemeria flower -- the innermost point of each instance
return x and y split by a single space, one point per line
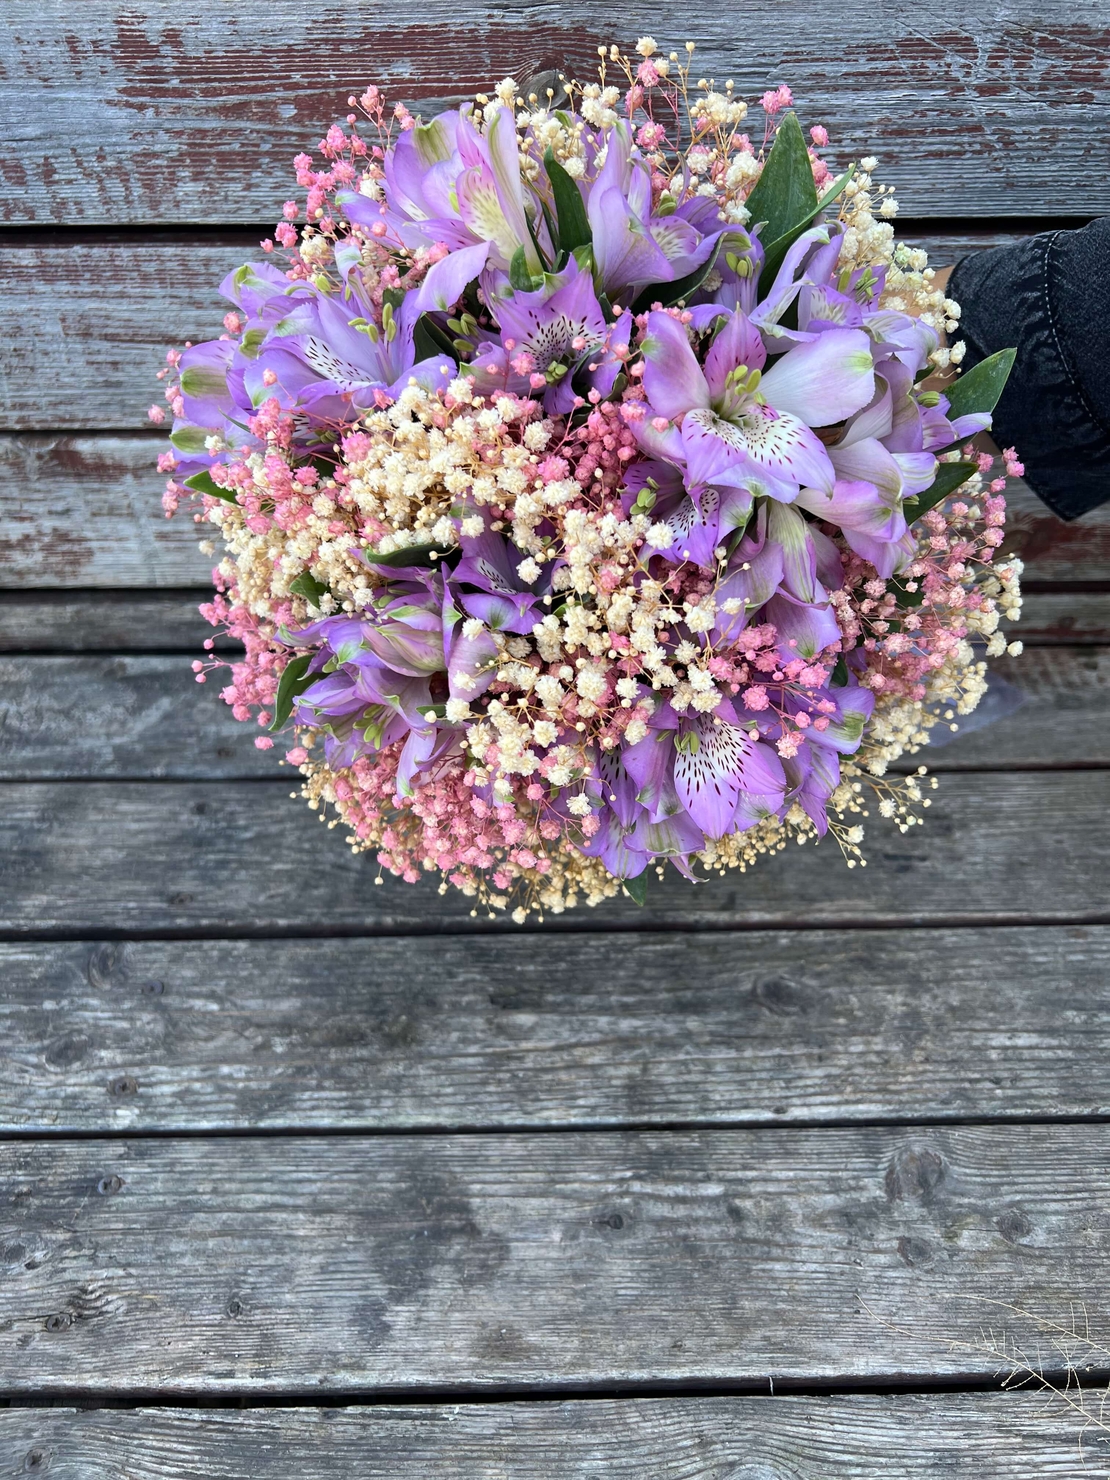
699 520
733 425
872 524
721 778
563 327
381 674
809 263
486 586
633 248
327 355
447 182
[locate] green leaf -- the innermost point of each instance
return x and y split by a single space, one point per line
411 555
570 209
294 680
948 479
636 889
775 252
204 483
670 293
785 198
839 679
309 587
430 338
979 389
785 193
394 297
520 275
907 598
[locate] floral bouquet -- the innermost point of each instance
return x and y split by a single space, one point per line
585 501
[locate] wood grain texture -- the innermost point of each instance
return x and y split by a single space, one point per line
371 1264
957 1436
84 511
243 857
138 717
147 717
149 115
112 310
1052 548
1065 618
496 1033
63 621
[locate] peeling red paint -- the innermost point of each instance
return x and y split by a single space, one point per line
153 117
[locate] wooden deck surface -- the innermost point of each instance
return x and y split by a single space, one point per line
300 1176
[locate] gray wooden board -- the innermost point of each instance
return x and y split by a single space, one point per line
153 116
85 511
502 1032
112 310
957 1436
108 717
108 621
369 1264
245 857
1064 618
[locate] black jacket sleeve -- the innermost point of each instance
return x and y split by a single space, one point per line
1049 297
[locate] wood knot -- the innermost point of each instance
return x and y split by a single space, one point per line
107 965
122 1086
917 1173
780 996
1014 1226
37 1461
66 1051
914 1251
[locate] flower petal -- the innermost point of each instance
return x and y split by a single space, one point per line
803 631
824 381
673 378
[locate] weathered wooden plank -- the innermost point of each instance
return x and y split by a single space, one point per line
112 309
1065 618
150 115
84 511
496 1032
105 621
242 857
115 717
1007 1436
370 1264
118 717
1052 549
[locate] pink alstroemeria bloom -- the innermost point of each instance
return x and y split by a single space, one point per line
743 428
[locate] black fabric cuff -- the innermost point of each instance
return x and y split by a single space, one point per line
1049 297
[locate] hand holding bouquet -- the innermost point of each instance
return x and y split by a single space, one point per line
583 506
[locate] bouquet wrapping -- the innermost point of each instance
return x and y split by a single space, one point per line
588 496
